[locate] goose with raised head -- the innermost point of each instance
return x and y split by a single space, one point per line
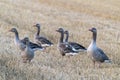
64 48
95 53
20 43
28 53
44 42
75 46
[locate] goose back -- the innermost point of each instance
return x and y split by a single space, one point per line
32 45
75 46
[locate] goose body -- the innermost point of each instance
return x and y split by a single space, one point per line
28 53
75 46
21 44
32 45
64 48
44 42
96 54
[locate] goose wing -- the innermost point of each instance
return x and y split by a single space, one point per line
44 40
77 46
100 55
32 45
35 46
66 48
104 56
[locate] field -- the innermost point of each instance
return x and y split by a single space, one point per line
76 16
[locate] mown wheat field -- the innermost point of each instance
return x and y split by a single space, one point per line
76 16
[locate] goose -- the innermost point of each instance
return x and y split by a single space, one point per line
64 48
21 43
95 53
32 45
44 42
75 46
28 53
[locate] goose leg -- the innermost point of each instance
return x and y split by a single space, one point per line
24 61
94 64
99 65
29 60
63 54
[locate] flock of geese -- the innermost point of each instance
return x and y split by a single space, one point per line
65 47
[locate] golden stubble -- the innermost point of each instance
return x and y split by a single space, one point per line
76 16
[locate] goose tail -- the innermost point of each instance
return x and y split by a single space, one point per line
108 61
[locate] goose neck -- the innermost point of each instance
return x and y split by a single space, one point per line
62 37
94 37
38 31
16 35
27 44
67 36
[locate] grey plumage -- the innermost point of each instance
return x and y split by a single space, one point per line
19 43
44 42
95 53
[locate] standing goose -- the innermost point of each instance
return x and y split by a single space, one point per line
21 43
28 53
64 48
75 46
95 53
32 45
44 42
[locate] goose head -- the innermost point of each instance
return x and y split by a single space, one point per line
26 39
60 30
37 25
94 30
66 32
13 30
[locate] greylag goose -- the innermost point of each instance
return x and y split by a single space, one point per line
33 46
95 53
21 43
75 46
44 42
64 48
28 53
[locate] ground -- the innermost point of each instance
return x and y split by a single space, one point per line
76 16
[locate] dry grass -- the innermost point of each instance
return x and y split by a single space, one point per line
77 16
